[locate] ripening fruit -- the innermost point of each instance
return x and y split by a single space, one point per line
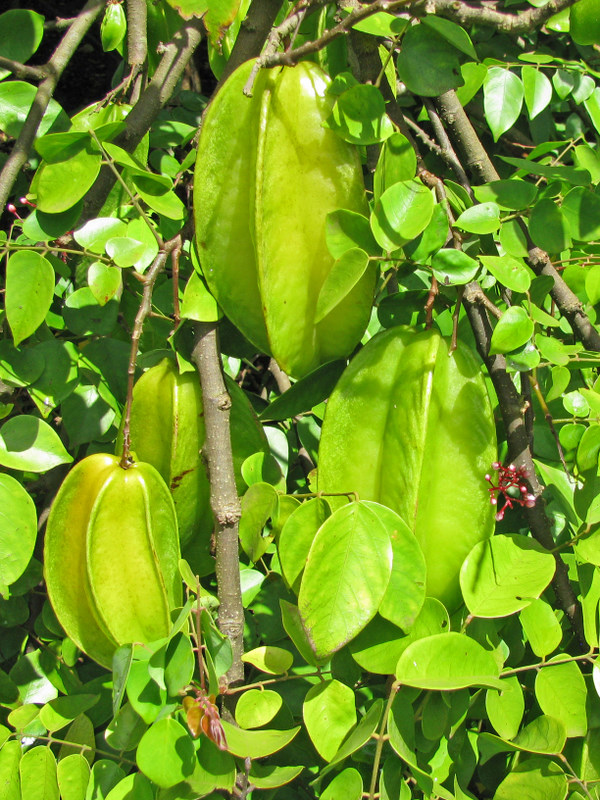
267 174
111 556
410 425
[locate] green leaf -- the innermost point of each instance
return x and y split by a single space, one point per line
397 163
256 744
359 116
124 251
61 184
59 376
297 536
592 285
257 707
505 707
448 661
84 316
21 32
359 736
343 277
482 218
508 271
18 529
329 713
86 415
452 33
513 330
305 394
538 90
561 692
270 659
38 774
346 576
105 282
578 177
586 158
131 786
269 776
585 22
502 100
258 504
504 574
96 232
581 208
166 753
29 292
57 713
198 303
73 774
10 757
29 443
113 27
348 784
405 593
401 214
346 229
163 200
16 99
380 24
541 627
428 64
19 367
104 776
125 729
453 267
513 194
473 75
535 779
544 735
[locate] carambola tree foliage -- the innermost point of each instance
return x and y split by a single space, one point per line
300 404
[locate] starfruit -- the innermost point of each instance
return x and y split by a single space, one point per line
167 431
111 556
267 174
410 425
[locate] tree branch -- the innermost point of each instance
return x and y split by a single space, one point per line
23 70
484 14
224 499
54 69
481 166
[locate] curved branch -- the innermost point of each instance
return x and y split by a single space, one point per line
54 69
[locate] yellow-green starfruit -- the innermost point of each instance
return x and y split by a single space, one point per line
410 425
167 431
268 172
111 555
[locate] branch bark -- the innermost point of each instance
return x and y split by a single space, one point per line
224 499
54 69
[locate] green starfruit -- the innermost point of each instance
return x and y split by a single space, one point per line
167 431
111 556
267 174
410 425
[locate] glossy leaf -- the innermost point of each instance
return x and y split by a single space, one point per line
452 33
401 214
346 576
482 218
165 753
345 230
329 712
505 707
538 90
585 22
256 708
397 163
428 64
270 659
21 32
348 784
305 393
38 774
257 506
61 184
448 661
359 116
453 267
508 271
561 692
198 303
504 574
18 529
541 627
535 778
581 208
513 194
73 775
29 443
297 536
513 330
29 292
257 744
503 95
344 275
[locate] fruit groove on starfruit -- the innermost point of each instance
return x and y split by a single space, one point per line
420 417
111 556
267 175
167 431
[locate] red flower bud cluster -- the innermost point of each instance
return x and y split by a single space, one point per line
511 485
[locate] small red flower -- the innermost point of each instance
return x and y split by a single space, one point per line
511 485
